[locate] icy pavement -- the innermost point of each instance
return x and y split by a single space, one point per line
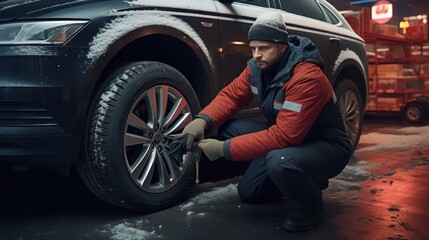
382 194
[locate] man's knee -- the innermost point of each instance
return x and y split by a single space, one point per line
277 165
273 167
246 192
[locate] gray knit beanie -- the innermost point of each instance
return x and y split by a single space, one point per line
269 27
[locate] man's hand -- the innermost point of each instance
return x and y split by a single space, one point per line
195 130
178 145
212 148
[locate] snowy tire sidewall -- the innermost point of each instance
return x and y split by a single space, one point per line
414 113
109 125
351 107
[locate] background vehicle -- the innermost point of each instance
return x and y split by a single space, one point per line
105 85
416 110
397 76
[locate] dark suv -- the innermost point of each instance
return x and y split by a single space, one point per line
104 85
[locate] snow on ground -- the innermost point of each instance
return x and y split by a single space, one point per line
399 139
132 231
139 230
216 194
403 138
348 180
124 231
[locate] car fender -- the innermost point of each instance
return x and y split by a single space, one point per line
111 39
348 64
423 100
115 35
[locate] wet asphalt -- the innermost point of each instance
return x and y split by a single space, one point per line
381 195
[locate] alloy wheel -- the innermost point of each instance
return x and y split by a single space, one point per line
155 118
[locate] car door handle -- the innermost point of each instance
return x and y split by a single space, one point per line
207 24
335 40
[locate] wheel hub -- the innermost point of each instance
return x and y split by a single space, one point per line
158 137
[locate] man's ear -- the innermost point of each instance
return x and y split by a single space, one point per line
283 48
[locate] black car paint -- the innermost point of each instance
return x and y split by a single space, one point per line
42 80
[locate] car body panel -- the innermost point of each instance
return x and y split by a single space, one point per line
46 90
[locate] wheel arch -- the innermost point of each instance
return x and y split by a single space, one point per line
352 70
153 44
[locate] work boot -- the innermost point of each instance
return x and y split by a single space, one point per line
304 194
301 220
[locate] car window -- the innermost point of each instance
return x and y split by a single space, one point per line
330 16
260 3
307 8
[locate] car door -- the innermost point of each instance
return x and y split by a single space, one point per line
306 18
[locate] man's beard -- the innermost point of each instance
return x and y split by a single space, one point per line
265 65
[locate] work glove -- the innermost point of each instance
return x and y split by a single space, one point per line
194 130
212 148
178 145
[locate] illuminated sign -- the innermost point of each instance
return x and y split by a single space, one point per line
382 11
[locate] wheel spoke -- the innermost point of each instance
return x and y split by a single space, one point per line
152 105
162 103
348 102
132 140
350 109
136 122
175 111
149 169
138 166
180 123
352 115
351 128
164 177
172 166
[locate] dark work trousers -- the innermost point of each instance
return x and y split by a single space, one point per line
292 172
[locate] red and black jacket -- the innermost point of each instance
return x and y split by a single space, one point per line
299 103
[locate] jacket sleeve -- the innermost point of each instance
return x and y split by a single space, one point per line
306 94
228 101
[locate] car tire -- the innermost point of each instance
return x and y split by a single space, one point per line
132 120
414 113
351 107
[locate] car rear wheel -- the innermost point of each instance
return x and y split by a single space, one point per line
134 118
414 113
351 107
